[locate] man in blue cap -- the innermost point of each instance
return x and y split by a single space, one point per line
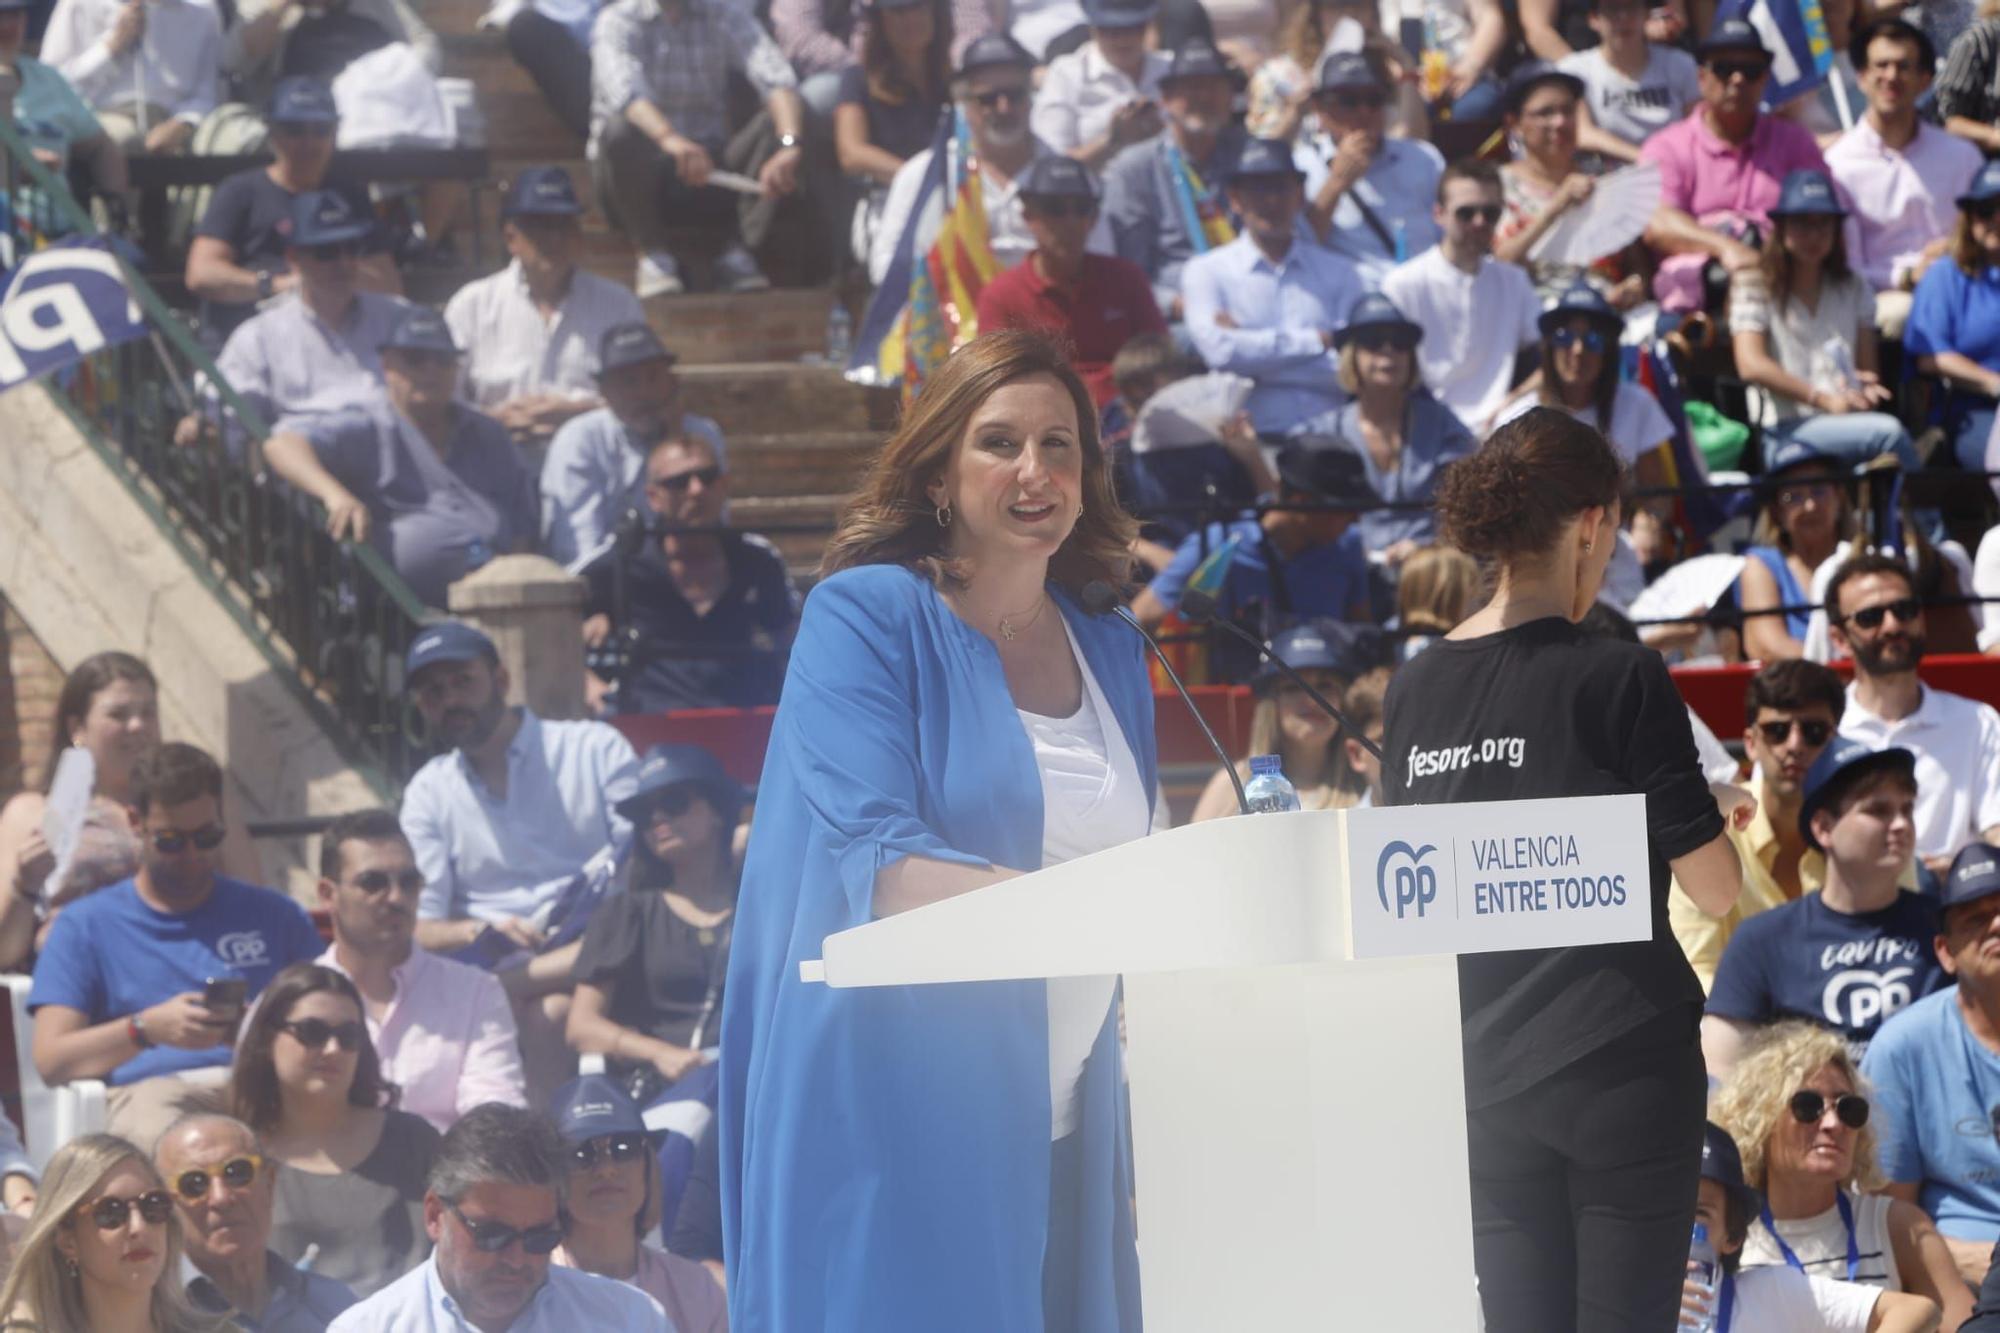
1935 1069
1095 303
1858 951
237 258
531 331
1371 199
993 89
1268 304
1100 98
436 485
595 472
1164 198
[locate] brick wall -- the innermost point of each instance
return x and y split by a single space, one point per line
29 683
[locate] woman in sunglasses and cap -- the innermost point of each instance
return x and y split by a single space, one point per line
1797 1106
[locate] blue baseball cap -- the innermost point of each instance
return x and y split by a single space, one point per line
1580 299
1985 185
992 49
1796 453
1320 644
447 641
1196 58
420 329
1843 762
1533 74
1723 1164
630 344
1733 34
1120 13
667 766
1055 176
325 217
541 192
1974 873
1372 310
1807 193
1347 69
302 101
1264 157
592 1106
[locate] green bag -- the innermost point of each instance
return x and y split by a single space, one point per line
1719 438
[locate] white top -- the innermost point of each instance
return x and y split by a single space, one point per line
176 65
1798 339
1006 232
1092 798
1821 1243
511 349
1474 325
1957 744
1784 1300
1081 91
1986 583
1635 109
1638 423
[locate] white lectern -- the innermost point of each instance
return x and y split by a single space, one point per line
1292 1028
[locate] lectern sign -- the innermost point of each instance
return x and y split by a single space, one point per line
1441 879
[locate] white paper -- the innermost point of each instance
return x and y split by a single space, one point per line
67 808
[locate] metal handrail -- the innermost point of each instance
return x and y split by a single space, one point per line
333 620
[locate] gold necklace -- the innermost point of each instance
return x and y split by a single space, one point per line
1010 631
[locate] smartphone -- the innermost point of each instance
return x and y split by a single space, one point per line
225 996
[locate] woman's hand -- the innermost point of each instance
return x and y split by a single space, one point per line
1737 805
1576 188
1627 292
17 1193
36 860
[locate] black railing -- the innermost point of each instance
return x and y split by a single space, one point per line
333 620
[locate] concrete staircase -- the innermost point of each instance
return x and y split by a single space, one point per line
797 433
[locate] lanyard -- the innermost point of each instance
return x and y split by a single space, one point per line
1725 1307
1846 1220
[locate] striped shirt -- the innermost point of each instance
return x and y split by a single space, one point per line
1966 85
680 63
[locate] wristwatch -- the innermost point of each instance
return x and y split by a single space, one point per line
788 141
264 284
137 1032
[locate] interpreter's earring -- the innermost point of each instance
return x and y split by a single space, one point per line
943 516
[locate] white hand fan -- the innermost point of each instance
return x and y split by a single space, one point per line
1612 218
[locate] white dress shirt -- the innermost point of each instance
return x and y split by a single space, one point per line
176 64
1005 231
511 349
568 1301
1957 744
1080 92
1474 325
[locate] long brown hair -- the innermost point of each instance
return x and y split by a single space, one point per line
886 80
1777 264
890 520
253 1083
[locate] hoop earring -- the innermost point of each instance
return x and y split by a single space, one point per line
943 516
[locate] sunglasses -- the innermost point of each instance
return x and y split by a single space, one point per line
314 1033
110 1213
372 882
1065 207
671 804
1808 1106
1386 340
611 1148
1983 209
1358 101
1592 339
680 481
1487 213
236 1173
493 1237
328 254
1815 730
1905 609
172 842
1018 95
1726 70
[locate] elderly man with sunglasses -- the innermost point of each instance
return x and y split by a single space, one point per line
1873 615
1368 196
225 1189
494 1209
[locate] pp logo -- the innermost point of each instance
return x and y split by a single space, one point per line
1401 874
1861 999
242 948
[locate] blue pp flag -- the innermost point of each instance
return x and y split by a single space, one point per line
1794 32
60 305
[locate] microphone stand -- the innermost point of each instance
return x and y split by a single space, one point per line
1198 607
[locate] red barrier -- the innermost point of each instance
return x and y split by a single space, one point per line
1716 693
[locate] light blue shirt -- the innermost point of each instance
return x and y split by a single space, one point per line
1279 310
1936 1087
1399 188
284 361
488 857
593 473
569 1301
1432 437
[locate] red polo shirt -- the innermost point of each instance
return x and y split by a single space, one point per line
1111 301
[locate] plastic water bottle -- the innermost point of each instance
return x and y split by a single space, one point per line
839 336
1268 791
1707 1271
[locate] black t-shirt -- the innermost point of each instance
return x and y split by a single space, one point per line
661 975
1593 717
902 128
253 215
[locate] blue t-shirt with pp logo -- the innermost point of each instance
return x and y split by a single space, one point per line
1848 972
109 955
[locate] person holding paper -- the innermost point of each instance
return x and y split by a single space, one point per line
906 1160
1583 1074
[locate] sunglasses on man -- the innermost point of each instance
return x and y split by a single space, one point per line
1014 93
1905 609
1816 731
237 1173
1751 70
172 842
1466 213
680 481
493 1237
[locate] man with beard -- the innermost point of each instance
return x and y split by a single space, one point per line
502 821
1873 615
596 466
442 1030
143 984
225 1189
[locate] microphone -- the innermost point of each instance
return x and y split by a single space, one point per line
1197 606
1100 598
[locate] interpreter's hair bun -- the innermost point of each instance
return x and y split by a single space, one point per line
1512 498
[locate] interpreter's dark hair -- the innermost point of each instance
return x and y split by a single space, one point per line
494 1143
1474 169
94 673
1792 685
1776 263
1860 566
174 774
886 81
891 520
356 826
1899 30
1145 359
1605 621
1510 500
253 1080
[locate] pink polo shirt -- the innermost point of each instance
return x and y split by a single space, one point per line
1703 175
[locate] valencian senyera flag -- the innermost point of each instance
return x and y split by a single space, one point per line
924 308
1794 32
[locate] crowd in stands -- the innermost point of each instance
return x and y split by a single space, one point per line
1304 259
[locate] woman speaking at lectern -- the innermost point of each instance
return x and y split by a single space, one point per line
941 1157
1583 1073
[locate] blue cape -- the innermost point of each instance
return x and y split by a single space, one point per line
885 1151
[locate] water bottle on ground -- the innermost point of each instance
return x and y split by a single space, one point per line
839 335
1268 791
1707 1272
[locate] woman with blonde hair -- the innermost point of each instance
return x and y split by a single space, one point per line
1797 1107
102 1253
953 716
1437 589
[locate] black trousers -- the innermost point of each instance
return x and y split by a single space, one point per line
557 64
1583 1188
